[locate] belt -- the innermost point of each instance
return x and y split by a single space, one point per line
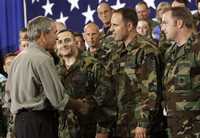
23 110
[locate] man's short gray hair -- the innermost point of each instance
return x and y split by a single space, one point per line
38 25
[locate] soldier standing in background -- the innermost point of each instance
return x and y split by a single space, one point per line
104 14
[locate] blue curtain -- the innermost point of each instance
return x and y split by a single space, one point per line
11 21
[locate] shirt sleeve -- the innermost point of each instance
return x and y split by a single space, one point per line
147 79
52 86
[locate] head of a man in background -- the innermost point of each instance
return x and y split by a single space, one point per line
7 61
80 42
142 10
91 34
60 26
162 6
23 39
104 12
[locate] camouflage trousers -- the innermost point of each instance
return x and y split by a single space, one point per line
7 124
184 125
68 125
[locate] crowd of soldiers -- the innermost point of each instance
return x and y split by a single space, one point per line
140 78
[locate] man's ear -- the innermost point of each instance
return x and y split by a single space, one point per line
42 38
179 23
130 26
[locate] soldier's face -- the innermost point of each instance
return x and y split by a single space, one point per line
142 11
23 44
23 40
104 13
143 27
118 27
65 43
169 26
80 43
91 36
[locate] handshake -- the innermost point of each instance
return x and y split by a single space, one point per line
79 105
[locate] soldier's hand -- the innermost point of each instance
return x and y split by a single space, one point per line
101 135
78 105
84 108
140 132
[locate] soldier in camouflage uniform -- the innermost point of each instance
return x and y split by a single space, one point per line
104 12
75 79
104 96
134 63
68 127
143 13
81 74
181 77
3 120
8 118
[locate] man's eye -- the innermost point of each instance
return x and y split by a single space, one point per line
67 40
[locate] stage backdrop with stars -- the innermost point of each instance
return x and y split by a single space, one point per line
74 13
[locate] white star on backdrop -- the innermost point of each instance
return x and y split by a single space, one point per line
150 3
48 8
33 1
74 4
62 18
118 5
102 0
189 0
88 14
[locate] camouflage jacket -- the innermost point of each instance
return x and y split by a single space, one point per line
86 80
79 84
182 89
136 69
3 121
181 77
75 79
2 89
104 94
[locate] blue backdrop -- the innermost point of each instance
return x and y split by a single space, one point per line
11 20
74 13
